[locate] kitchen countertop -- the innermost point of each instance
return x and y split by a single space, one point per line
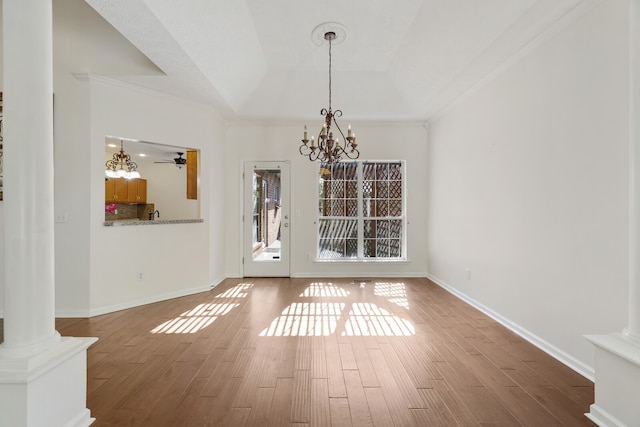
123 222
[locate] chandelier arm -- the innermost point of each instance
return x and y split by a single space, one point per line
338 113
315 155
353 154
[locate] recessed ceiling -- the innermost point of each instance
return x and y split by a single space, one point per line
256 59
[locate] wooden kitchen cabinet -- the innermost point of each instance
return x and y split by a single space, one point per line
137 191
122 190
116 190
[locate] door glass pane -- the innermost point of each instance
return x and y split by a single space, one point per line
266 215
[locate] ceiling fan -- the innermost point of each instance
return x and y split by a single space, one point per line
178 161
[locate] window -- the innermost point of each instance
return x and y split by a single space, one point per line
361 210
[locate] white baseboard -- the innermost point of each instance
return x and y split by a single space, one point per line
72 314
216 282
143 301
570 361
602 417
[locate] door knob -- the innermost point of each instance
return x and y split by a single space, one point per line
286 224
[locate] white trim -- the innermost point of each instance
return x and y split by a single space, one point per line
299 123
563 357
603 418
136 303
143 301
23 370
83 419
72 314
92 78
617 344
371 260
349 275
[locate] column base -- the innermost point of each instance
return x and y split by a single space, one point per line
617 381
49 389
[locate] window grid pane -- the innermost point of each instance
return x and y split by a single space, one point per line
380 210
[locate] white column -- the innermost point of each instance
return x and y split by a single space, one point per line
617 356
29 324
42 376
633 328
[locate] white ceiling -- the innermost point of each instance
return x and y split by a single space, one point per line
255 59
142 149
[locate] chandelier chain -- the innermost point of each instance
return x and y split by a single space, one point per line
330 38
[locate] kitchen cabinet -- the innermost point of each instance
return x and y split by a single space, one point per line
137 191
192 175
122 190
116 190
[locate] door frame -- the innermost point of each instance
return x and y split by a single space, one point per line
281 268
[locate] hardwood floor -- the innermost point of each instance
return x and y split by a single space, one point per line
302 352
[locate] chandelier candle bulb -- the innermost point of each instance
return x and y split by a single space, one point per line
349 133
305 132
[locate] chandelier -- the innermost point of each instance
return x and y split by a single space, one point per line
121 166
328 149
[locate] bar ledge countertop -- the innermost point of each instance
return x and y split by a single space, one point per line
122 222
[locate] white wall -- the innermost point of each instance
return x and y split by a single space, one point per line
167 190
528 189
175 259
72 168
1 203
391 141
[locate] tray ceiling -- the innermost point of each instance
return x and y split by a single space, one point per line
255 60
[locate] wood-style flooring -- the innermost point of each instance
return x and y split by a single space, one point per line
321 352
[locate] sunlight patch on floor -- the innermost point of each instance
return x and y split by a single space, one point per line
305 319
394 292
309 318
324 290
369 320
324 318
194 320
238 291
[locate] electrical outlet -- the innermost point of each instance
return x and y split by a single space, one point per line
62 217
140 276
468 274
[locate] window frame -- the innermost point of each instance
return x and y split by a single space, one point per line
360 218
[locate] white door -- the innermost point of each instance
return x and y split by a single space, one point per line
266 219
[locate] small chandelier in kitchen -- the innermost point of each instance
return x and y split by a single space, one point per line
328 149
121 166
